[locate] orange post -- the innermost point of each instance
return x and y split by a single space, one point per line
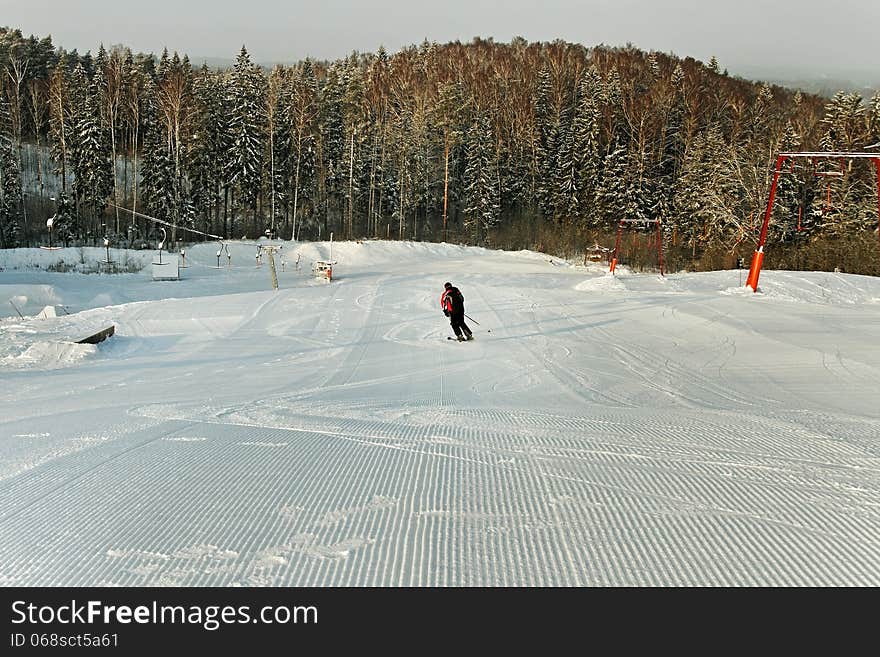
755 269
758 258
616 247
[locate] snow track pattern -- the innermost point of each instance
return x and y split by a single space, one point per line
326 436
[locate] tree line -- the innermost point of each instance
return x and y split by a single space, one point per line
516 145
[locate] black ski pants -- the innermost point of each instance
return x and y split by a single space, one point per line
458 325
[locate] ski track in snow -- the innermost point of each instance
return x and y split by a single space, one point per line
618 430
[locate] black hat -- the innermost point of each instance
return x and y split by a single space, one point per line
447 285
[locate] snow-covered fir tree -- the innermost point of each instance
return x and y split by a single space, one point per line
355 134
277 145
157 173
844 122
64 220
246 124
846 201
565 191
706 196
173 91
617 196
60 118
713 65
546 143
301 112
482 201
92 166
77 97
614 124
207 145
788 205
331 146
11 226
585 152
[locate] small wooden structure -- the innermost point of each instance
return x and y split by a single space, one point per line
596 253
100 336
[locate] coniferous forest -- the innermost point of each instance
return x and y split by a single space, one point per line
513 145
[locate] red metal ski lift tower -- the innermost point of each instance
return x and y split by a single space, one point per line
782 158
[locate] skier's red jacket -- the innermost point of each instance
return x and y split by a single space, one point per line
452 301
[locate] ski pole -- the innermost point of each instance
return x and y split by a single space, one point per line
472 319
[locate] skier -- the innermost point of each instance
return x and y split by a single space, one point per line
452 303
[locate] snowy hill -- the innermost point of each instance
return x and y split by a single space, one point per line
600 430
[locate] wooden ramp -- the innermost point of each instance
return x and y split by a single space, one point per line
100 336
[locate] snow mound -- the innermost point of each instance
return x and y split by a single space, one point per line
83 259
49 355
605 283
28 299
737 290
823 288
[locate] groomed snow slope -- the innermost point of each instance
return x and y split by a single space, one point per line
627 430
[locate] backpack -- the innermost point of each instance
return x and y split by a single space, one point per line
451 298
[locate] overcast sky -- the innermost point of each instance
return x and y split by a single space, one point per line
818 36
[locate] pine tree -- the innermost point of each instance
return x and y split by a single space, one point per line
586 146
60 119
448 118
157 171
674 139
246 126
331 147
110 86
546 143
713 65
11 220
846 127
788 204
654 65
844 123
93 173
301 113
207 146
706 209
355 131
761 129
612 97
481 192
612 195
278 140
376 112
64 219
565 175
77 98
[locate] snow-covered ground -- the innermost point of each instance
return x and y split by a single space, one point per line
625 430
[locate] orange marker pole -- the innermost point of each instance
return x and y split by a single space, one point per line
758 257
